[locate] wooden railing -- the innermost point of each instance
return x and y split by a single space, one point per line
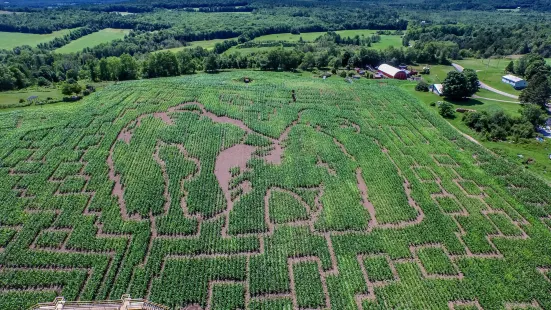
125 303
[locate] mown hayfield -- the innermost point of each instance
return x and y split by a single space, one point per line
206 191
206 44
93 39
9 99
386 40
9 40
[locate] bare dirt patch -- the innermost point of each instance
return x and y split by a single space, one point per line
236 156
365 201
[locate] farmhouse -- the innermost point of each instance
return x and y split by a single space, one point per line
392 72
437 89
514 81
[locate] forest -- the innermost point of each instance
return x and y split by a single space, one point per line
438 41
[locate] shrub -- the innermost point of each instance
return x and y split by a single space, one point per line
446 110
43 82
422 86
342 74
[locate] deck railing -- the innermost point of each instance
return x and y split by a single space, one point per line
125 303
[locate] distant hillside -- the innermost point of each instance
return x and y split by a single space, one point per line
145 5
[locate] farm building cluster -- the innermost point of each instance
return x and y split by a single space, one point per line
400 73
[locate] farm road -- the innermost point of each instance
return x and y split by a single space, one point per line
486 86
492 99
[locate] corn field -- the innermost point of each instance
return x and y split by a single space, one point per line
203 191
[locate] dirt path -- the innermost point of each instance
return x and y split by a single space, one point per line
491 99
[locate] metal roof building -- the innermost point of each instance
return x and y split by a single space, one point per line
515 81
392 72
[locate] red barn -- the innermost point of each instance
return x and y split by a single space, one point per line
392 72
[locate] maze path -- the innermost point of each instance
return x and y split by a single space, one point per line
122 233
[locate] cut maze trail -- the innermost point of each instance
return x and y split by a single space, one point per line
397 150
238 156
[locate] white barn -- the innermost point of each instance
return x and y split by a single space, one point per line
514 81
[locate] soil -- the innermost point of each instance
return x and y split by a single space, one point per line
236 156
365 201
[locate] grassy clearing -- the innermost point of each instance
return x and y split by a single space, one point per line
9 40
439 72
386 40
93 39
251 50
206 44
490 72
11 98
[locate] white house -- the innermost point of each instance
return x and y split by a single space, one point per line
514 81
437 89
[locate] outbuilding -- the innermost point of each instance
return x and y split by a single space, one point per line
392 72
514 81
437 89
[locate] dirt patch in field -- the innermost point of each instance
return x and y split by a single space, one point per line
247 187
362 187
164 117
236 156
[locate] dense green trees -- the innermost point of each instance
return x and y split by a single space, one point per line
458 85
497 125
70 88
538 90
7 80
473 83
211 63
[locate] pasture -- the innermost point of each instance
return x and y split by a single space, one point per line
93 39
11 99
206 191
206 44
386 40
9 40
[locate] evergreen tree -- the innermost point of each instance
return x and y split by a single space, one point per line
510 67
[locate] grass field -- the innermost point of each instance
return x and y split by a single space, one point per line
9 40
93 39
250 50
490 72
386 40
11 98
439 72
206 44
203 190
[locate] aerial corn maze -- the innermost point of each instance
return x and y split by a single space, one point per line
204 192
